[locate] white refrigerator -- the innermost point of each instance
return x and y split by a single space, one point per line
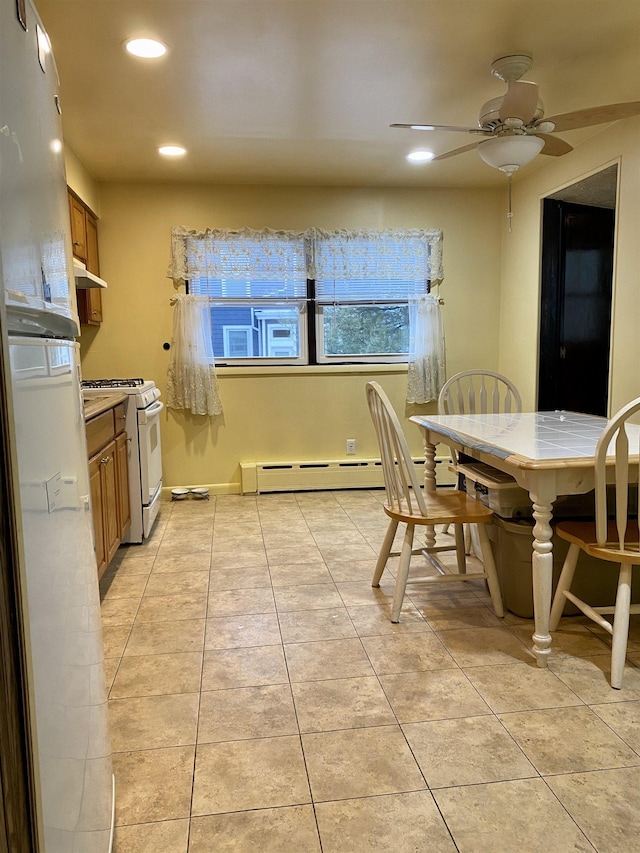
51 555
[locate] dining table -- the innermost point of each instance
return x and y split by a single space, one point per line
549 454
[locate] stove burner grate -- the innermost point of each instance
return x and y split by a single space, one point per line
112 383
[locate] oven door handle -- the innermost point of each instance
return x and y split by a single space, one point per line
145 415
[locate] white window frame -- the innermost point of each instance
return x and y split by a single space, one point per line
248 331
372 358
271 343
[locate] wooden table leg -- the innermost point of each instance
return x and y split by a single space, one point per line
542 567
429 484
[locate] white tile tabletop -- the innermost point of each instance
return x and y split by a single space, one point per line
532 436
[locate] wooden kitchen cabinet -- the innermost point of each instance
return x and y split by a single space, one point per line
91 311
77 215
104 496
84 239
109 478
93 259
95 479
122 468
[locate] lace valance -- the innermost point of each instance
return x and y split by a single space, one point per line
314 253
216 253
382 255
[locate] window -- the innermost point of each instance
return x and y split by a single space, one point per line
362 288
311 297
362 331
257 284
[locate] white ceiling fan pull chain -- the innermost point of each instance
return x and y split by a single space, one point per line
510 212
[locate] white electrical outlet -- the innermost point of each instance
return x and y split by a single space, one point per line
351 445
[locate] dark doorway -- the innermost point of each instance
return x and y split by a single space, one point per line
575 324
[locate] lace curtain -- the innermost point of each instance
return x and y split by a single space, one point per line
326 254
412 254
221 253
426 372
191 378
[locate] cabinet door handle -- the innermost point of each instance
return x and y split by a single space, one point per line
104 460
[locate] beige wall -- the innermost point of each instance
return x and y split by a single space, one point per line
289 414
520 281
491 292
80 180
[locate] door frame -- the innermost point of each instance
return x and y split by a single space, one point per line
567 192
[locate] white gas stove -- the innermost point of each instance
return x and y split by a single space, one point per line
145 459
144 390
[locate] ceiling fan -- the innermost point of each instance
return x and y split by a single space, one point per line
513 129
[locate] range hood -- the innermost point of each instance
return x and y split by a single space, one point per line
84 278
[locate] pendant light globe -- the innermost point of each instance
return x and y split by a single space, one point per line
509 153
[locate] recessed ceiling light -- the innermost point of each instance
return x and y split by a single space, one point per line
172 150
145 48
420 156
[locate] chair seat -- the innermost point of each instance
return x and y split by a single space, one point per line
450 507
583 534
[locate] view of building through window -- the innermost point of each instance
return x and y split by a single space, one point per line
242 331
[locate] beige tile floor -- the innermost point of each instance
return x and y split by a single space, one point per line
261 700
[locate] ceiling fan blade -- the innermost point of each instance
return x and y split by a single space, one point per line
439 127
553 145
521 101
456 151
595 115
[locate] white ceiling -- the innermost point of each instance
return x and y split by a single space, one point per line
302 91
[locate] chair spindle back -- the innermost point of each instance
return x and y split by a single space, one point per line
404 492
616 438
478 392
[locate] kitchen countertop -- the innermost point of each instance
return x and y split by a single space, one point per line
94 406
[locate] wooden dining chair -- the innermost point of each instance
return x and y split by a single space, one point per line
613 537
408 503
476 392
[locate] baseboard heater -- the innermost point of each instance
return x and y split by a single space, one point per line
257 477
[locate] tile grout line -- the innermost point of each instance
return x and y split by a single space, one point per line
204 640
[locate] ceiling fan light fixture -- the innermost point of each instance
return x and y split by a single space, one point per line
509 153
